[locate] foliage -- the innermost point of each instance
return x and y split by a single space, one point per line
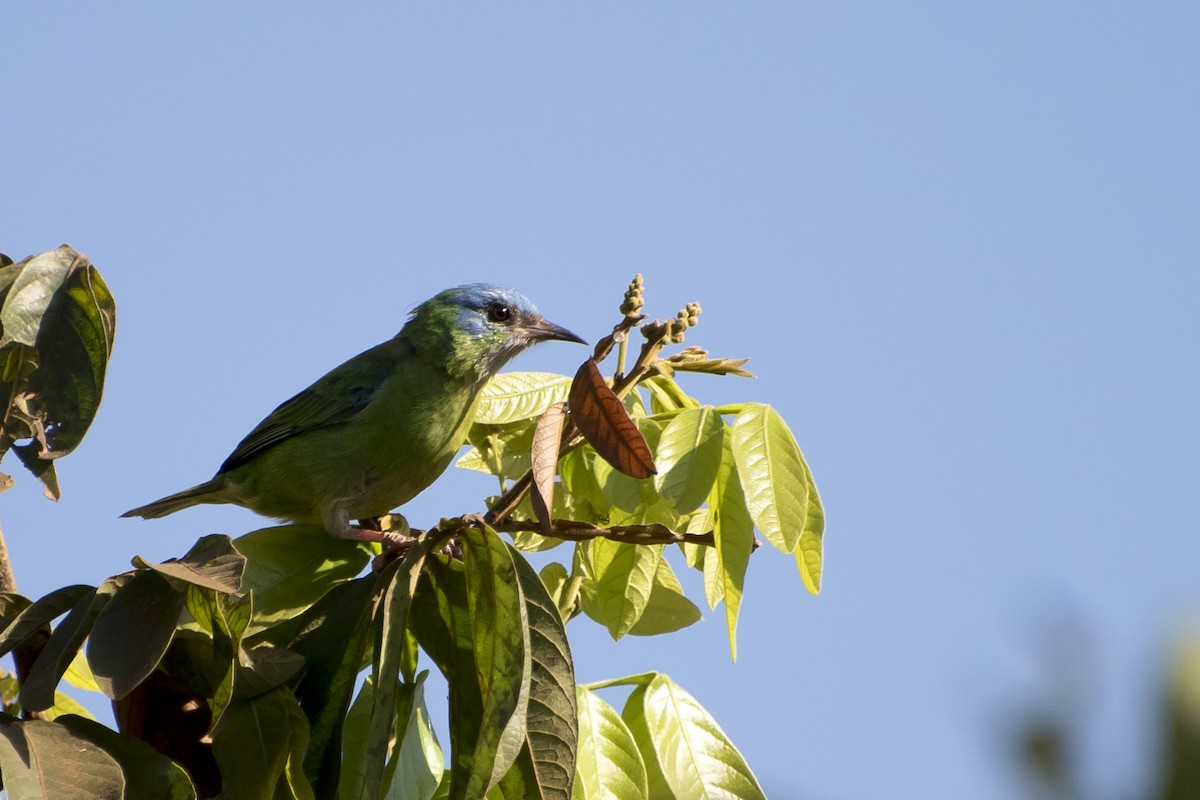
238 668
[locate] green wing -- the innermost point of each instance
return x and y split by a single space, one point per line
332 400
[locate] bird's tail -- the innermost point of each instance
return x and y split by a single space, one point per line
207 492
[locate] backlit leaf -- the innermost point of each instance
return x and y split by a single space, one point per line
610 765
688 457
513 396
773 475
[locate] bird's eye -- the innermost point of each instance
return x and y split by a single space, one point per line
498 312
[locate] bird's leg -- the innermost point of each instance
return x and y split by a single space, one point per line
395 540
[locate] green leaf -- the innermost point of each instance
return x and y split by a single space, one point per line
579 480
230 617
148 774
38 616
37 690
48 761
688 457
352 778
514 396
65 705
58 306
400 581
291 566
259 747
331 638
416 766
733 532
668 609
773 474
808 553
623 575
132 632
211 563
502 656
79 674
500 451
609 764
696 758
473 623
546 764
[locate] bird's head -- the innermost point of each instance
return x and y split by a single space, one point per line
481 327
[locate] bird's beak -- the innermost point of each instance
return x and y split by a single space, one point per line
544 331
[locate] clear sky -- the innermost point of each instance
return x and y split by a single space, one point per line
958 243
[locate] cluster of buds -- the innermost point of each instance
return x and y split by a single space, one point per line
633 297
672 330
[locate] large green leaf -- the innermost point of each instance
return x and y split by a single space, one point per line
415 767
688 457
331 637
37 616
668 609
291 566
149 775
546 764
773 474
733 534
502 655
623 576
696 758
37 690
132 632
392 619
212 562
609 764
57 323
514 396
473 623
48 761
259 747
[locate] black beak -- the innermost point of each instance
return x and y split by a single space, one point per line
544 331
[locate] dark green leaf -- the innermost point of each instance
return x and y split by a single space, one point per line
546 764
502 657
473 623
59 306
230 618
47 761
291 566
41 468
37 690
400 583
37 617
148 774
212 563
132 632
260 745
332 640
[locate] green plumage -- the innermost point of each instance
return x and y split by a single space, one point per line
377 430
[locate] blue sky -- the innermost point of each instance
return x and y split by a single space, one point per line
959 244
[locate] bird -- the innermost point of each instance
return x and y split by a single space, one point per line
377 430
